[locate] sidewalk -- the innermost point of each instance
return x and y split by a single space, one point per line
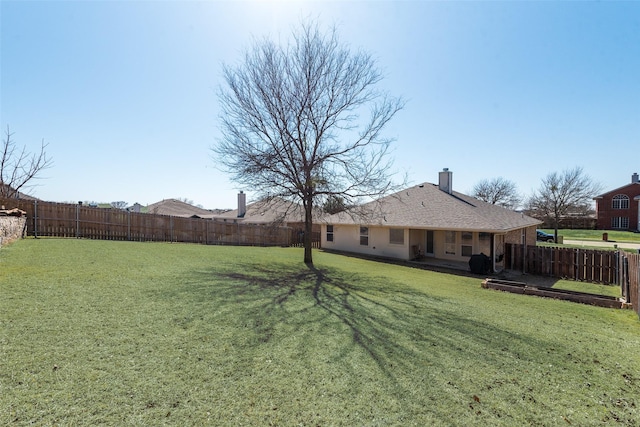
610 244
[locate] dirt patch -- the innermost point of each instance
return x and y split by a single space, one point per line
532 280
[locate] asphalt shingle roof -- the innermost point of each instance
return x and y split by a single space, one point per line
268 211
426 206
176 207
619 189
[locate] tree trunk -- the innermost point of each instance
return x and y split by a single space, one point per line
308 231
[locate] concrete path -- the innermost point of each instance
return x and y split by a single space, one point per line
587 243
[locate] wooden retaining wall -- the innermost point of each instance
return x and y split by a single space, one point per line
580 297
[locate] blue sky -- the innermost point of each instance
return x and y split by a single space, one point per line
124 92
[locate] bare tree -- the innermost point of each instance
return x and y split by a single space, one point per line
498 191
304 122
334 204
189 202
185 200
18 167
120 204
562 193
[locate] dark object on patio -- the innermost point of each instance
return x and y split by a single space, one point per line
480 264
417 252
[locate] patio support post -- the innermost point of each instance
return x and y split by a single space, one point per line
524 252
493 252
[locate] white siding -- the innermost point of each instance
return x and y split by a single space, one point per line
347 238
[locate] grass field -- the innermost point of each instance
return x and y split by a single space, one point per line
596 235
120 333
589 288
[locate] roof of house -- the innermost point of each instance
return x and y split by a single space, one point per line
18 194
624 188
426 206
174 207
274 210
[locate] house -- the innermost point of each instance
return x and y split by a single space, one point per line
429 220
276 211
618 209
174 207
136 207
7 191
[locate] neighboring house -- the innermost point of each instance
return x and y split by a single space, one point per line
5 189
136 207
429 220
174 207
618 209
275 211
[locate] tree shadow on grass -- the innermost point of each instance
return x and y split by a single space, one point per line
395 325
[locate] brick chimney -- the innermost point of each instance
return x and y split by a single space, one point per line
445 180
242 204
634 178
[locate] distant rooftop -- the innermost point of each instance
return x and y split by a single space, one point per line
174 207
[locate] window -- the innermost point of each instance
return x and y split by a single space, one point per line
450 242
396 236
329 233
620 222
484 240
620 201
467 243
364 236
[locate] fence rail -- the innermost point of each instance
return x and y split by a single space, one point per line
79 221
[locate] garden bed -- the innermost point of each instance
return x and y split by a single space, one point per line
574 296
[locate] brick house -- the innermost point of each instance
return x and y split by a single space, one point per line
618 209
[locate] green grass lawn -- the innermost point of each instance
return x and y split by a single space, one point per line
120 333
617 236
589 288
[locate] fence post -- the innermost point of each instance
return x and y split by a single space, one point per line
128 225
35 219
77 220
636 303
616 269
626 281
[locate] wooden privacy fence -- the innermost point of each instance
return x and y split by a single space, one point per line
630 278
567 263
80 221
297 239
607 267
